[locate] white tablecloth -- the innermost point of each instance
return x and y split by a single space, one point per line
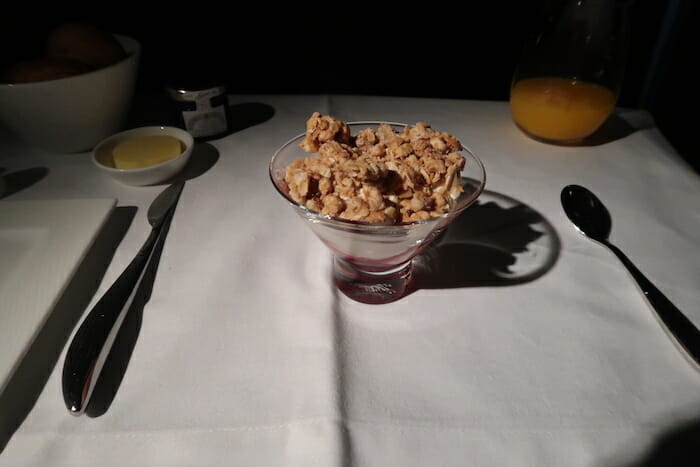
532 347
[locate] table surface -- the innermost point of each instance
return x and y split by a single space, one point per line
525 343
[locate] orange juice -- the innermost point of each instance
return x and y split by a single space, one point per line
560 109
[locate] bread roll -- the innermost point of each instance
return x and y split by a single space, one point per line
43 69
84 43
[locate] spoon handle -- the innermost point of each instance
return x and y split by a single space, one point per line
679 326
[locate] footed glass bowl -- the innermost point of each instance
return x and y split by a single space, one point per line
372 262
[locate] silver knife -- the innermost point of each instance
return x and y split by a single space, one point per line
93 340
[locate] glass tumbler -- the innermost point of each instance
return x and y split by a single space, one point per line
570 74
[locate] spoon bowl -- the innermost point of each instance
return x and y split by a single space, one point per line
588 214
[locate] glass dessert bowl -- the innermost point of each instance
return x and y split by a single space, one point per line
372 261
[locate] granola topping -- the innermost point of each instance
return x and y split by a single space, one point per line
378 175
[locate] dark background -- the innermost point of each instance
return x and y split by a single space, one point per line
461 50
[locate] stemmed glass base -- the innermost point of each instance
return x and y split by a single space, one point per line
373 287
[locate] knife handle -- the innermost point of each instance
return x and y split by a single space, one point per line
92 342
681 329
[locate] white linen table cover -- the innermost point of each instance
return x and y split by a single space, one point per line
248 356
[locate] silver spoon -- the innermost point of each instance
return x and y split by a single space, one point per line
591 217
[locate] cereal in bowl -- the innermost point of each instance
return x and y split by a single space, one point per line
377 175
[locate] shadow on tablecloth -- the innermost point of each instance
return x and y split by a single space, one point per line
247 114
204 157
117 361
498 241
676 446
243 115
12 182
618 126
29 379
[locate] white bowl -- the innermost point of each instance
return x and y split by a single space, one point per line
151 175
73 114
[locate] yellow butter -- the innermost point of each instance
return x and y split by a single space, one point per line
144 151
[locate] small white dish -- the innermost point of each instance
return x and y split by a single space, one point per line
151 175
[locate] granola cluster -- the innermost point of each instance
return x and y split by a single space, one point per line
378 175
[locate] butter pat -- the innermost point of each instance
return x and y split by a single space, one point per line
143 151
